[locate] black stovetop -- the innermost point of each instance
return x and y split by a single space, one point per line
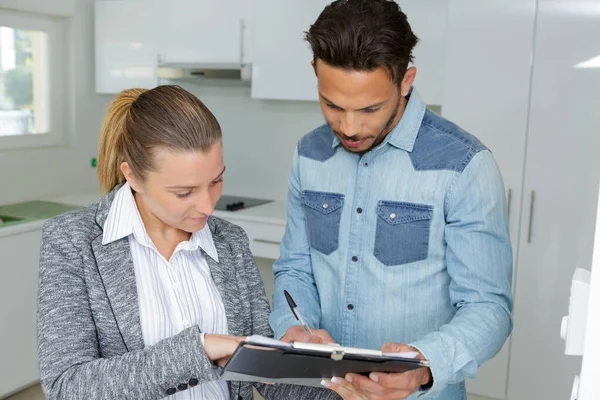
234 203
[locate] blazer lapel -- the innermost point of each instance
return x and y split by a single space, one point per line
226 285
118 276
225 281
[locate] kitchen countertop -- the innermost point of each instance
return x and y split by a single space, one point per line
271 213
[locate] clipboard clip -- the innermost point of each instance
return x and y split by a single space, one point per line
337 355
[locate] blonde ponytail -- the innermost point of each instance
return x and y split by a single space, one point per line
166 116
110 153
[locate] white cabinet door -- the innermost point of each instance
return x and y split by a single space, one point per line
125 52
427 19
203 31
589 388
54 7
281 67
560 194
19 266
489 97
281 56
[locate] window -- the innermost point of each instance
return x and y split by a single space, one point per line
32 101
23 82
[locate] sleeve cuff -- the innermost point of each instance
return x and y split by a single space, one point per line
281 324
432 351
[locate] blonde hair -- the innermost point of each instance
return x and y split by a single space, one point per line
139 120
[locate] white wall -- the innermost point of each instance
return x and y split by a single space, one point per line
259 136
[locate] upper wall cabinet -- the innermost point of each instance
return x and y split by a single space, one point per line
428 21
125 51
129 50
54 7
281 57
204 31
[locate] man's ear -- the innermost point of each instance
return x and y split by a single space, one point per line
407 81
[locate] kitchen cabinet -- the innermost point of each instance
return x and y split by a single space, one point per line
281 56
126 53
63 8
531 98
560 193
19 266
281 67
204 31
201 33
264 225
489 97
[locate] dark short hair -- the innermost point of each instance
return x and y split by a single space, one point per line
363 35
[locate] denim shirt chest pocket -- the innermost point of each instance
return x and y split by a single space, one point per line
402 233
323 213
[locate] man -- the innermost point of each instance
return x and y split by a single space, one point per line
397 233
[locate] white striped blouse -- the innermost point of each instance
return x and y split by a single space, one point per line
173 294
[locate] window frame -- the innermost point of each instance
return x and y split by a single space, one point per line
55 29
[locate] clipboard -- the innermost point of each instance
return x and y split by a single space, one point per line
260 359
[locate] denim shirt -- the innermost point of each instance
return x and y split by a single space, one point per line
407 243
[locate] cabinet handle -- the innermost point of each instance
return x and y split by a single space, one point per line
531 207
509 202
267 241
242 36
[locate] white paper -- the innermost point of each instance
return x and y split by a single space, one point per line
266 341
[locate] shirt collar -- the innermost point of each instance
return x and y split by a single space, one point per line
405 132
122 215
124 219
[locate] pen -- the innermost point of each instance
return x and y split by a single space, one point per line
294 309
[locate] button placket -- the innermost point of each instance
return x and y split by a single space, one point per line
176 286
359 217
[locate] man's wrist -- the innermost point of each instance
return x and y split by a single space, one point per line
427 381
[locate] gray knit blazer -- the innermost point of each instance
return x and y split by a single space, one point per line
90 343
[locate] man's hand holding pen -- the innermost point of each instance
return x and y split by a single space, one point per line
297 333
303 333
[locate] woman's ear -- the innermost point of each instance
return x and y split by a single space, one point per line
129 175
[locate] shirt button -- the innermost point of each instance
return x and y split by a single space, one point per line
325 205
393 215
185 322
354 258
175 287
359 210
366 164
350 307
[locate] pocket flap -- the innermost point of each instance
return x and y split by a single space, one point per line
323 202
395 212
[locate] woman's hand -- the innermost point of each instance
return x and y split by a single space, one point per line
219 348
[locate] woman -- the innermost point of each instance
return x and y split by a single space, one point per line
143 294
